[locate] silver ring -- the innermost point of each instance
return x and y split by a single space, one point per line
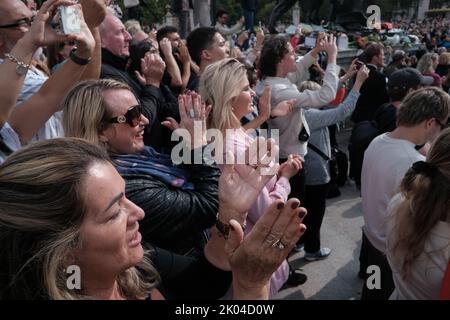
192 113
271 239
279 245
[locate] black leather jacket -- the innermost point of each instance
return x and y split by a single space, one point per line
174 218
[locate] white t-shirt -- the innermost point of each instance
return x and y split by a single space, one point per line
10 139
53 126
427 272
386 161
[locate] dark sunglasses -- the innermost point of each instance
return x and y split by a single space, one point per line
132 117
21 22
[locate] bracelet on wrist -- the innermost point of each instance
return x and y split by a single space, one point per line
21 68
80 61
224 228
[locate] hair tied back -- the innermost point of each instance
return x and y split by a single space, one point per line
425 168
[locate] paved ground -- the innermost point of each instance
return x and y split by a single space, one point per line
335 277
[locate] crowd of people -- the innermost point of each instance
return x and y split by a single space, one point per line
91 129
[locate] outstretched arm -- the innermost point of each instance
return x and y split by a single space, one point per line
11 80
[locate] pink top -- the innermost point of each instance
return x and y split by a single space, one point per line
237 141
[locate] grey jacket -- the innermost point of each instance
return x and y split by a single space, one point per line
316 168
284 89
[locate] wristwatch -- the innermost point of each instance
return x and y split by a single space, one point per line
224 228
77 59
21 68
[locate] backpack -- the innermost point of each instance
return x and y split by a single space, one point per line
338 166
362 135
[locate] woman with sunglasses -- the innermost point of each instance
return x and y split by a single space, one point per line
70 232
180 202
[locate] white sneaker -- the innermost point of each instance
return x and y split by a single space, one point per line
323 253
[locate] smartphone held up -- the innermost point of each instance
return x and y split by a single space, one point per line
70 19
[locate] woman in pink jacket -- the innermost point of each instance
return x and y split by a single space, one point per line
225 86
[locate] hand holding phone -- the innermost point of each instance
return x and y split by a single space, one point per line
359 64
70 19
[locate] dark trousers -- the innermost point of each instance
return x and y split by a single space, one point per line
249 19
134 13
378 258
298 188
298 184
363 256
281 7
315 203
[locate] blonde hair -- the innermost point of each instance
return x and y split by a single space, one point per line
220 84
426 202
425 64
444 58
85 111
132 26
309 85
42 208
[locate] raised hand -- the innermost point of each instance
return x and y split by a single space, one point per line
183 53
165 46
352 70
260 37
193 114
41 33
242 38
84 41
361 76
152 68
94 12
240 184
264 102
291 167
254 258
283 108
331 48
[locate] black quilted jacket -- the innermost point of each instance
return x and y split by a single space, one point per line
174 218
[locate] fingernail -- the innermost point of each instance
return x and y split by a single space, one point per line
294 205
302 214
280 206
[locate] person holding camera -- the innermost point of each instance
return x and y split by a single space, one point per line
316 168
279 70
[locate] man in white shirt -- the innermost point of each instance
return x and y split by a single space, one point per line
420 119
221 25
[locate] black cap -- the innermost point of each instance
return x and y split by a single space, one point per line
408 78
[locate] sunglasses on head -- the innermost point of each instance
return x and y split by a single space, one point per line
132 117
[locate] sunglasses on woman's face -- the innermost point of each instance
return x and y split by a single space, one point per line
132 117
